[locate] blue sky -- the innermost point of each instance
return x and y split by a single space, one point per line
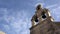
15 15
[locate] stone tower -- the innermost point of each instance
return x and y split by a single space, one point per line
43 23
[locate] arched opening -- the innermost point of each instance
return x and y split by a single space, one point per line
36 19
43 15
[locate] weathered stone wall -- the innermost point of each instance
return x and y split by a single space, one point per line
45 27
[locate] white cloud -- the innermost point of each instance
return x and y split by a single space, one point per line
7 27
56 10
17 21
50 6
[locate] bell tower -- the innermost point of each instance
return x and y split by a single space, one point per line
40 15
40 21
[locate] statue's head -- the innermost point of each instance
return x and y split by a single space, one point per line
38 7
